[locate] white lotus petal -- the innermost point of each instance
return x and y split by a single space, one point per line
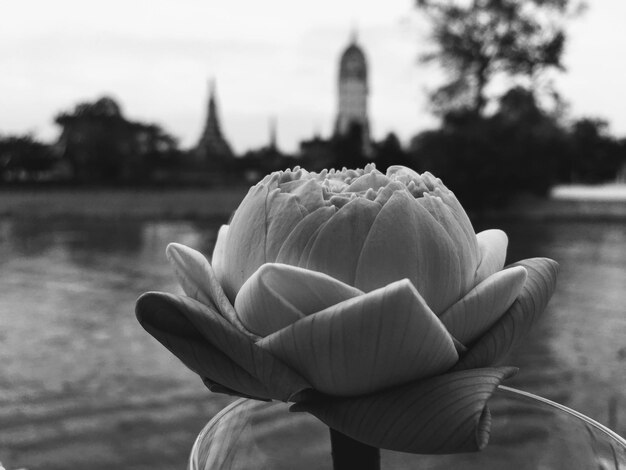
308 228
407 242
492 245
277 295
402 173
461 216
257 231
308 191
218 260
199 282
176 332
338 245
518 320
475 313
304 254
384 194
374 179
439 415
377 340
213 348
464 249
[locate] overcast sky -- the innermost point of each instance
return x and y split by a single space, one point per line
270 58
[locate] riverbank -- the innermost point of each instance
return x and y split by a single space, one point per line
111 203
202 204
561 209
574 202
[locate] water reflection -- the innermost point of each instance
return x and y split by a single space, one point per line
576 356
30 237
80 377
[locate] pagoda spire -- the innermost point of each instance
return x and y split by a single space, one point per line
212 143
354 34
213 123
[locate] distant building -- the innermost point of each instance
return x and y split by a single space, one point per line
213 146
317 153
352 129
352 95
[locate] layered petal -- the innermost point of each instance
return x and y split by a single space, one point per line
455 206
257 231
337 247
277 295
492 245
406 241
402 173
353 347
507 332
465 249
219 351
178 334
440 415
302 235
218 259
199 281
475 313
374 180
308 192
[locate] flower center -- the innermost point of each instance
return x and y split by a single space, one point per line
338 187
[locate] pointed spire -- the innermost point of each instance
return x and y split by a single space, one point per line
212 143
354 33
212 106
211 87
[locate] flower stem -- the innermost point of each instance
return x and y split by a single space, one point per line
349 454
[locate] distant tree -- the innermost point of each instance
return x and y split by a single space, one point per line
103 146
464 156
348 149
490 160
390 152
594 155
530 141
479 40
22 158
621 171
256 163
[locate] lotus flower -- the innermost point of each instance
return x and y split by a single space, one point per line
365 298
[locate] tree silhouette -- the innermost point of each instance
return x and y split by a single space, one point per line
594 155
490 160
103 146
478 40
390 152
22 158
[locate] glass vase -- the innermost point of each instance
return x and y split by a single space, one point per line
528 433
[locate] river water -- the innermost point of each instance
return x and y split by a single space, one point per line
82 385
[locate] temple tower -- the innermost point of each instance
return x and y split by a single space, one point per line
353 91
212 144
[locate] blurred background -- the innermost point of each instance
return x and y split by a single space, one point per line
127 125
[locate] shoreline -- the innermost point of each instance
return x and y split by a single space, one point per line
212 203
122 203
